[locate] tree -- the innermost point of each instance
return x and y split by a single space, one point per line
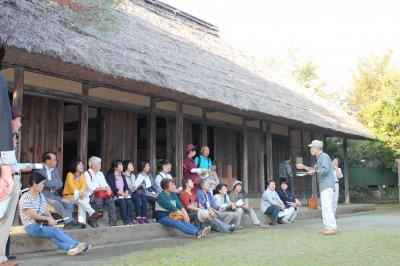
375 99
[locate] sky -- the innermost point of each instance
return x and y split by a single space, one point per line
332 34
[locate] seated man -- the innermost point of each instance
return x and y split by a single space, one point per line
38 222
231 215
207 205
236 196
291 203
271 204
52 184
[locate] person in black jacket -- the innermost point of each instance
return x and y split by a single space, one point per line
291 202
117 182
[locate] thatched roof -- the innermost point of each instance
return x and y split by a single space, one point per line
148 45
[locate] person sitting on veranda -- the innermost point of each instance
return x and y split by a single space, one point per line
97 191
242 206
169 211
38 222
74 191
206 202
208 168
272 205
231 215
165 172
117 182
292 204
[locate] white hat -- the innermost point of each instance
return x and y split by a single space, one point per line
203 215
236 183
316 143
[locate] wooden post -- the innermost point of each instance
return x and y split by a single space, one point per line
204 128
268 146
135 140
152 131
17 95
346 173
245 154
314 177
179 144
83 128
262 170
169 138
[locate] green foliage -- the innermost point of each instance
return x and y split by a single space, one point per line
375 98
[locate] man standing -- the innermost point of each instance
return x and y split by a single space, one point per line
286 172
324 171
52 184
9 184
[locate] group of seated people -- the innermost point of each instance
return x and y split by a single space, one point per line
194 210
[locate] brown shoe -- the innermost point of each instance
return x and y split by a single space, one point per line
330 232
260 225
322 231
9 263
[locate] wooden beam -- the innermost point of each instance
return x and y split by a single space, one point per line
152 135
83 128
346 173
179 144
245 154
261 164
17 97
204 128
268 149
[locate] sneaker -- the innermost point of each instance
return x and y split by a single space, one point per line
93 223
232 228
198 234
206 231
272 223
83 226
70 226
113 224
146 221
76 250
139 220
87 248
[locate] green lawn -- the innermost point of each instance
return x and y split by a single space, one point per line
361 242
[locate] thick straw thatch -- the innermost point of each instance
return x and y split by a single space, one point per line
146 44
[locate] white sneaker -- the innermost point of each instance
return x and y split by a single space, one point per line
76 250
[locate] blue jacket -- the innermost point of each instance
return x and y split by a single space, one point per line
286 196
201 199
111 182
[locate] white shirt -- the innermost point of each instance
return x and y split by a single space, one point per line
162 176
48 171
94 181
130 180
142 178
336 176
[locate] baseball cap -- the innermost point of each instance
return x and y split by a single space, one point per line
316 143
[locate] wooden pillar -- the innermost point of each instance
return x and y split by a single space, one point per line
204 128
169 139
346 172
268 146
245 154
398 175
17 95
179 144
262 157
135 140
152 131
83 128
314 177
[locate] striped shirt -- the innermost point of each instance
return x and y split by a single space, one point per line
37 204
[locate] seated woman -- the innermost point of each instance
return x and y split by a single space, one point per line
199 216
170 212
130 176
146 190
226 206
74 191
242 207
37 220
292 204
117 182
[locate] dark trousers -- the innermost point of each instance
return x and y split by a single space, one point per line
140 201
126 209
273 211
98 203
8 246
